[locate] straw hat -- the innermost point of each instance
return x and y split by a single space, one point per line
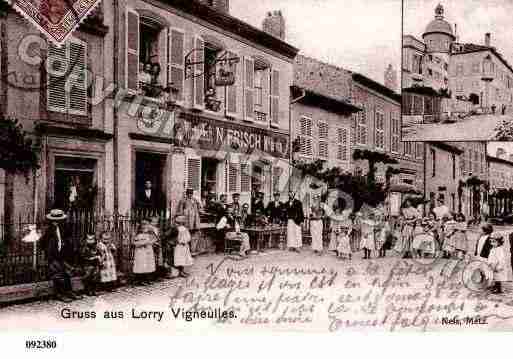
106 236
90 238
56 215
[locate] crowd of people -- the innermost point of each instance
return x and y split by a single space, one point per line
169 253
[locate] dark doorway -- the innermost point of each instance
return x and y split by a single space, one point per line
75 183
150 167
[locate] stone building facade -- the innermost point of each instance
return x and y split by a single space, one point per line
50 91
364 115
449 165
189 130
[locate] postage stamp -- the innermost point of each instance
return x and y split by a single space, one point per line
55 18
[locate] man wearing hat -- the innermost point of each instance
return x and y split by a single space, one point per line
258 207
190 208
275 209
229 226
59 252
236 207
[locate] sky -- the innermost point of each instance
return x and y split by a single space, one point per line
361 36
474 18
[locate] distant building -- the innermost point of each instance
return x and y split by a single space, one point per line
443 77
449 165
340 111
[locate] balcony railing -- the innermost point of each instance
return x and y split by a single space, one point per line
153 90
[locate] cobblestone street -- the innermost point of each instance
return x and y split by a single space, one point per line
352 279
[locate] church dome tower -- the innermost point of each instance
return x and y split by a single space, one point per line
438 35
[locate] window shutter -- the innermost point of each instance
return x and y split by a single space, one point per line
132 50
245 177
231 101
306 136
78 78
323 139
57 67
274 98
249 88
232 177
194 174
176 62
266 91
342 143
198 98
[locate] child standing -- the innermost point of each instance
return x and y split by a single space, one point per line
108 274
497 262
384 235
144 256
91 260
460 237
368 239
182 253
449 240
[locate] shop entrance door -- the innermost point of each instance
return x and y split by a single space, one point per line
74 183
149 180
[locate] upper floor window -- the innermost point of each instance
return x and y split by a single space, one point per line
305 136
323 139
395 134
380 130
149 69
459 69
361 126
67 78
342 143
419 150
261 73
408 148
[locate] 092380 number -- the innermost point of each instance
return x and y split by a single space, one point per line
40 344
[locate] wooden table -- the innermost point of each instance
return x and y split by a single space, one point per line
260 233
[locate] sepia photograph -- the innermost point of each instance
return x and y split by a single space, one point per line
457 77
230 167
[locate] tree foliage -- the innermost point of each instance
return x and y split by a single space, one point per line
504 131
360 188
17 153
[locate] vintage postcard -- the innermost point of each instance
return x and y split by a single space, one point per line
217 166
457 76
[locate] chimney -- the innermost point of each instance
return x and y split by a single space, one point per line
222 6
487 39
456 32
391 78
274 24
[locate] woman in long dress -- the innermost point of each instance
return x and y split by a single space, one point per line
182 252
144 256
316 226
410 215
108 274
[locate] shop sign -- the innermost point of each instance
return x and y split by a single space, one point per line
195 131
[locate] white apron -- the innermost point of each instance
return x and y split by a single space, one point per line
294 236
316 232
